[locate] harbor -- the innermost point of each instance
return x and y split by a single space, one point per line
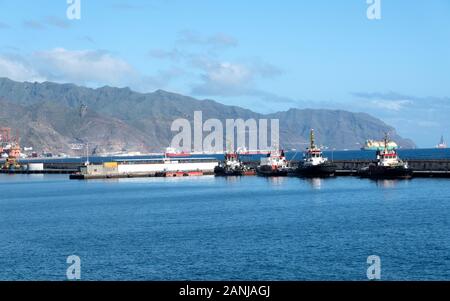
381 160
344 167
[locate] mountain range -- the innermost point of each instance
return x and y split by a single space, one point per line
52 117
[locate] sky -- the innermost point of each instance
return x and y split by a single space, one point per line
263 55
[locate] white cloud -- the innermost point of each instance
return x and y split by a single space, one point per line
84 66
17 69
230 79
92 68
217 40
57 22
392 105
33 24
429 124
215 75
224 78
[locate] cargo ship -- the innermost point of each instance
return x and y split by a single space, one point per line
314 164
174 153
232 166
273 165
387 166
374 145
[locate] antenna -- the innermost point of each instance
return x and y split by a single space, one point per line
386 141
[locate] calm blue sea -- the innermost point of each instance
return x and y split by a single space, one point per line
223 229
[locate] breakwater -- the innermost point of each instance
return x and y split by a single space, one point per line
421 167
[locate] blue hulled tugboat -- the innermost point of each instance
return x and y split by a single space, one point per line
314 165
273 165
387 166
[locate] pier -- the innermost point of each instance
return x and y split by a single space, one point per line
422 168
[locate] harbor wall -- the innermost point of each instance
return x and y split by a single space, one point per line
418 165
424 167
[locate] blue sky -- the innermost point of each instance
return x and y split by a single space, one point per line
263 55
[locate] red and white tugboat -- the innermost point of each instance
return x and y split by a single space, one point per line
387 166
314 165
232 166
273 165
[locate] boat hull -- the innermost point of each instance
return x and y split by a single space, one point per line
227 172
384 172
316 171
268 171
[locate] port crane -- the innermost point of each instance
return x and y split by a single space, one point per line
9 147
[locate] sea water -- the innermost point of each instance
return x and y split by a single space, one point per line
210 228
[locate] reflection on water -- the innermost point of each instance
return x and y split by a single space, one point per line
276 181
316 183
387 184
232 179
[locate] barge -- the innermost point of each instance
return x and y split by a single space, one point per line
166 167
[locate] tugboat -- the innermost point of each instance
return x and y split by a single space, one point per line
273 165
314 165
232 166
387 166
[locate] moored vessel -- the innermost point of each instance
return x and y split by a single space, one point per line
174 153
273 165
127 168
314 164
232 166
387 166
442 143
379 145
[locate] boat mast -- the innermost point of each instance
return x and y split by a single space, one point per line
386 138
312 139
